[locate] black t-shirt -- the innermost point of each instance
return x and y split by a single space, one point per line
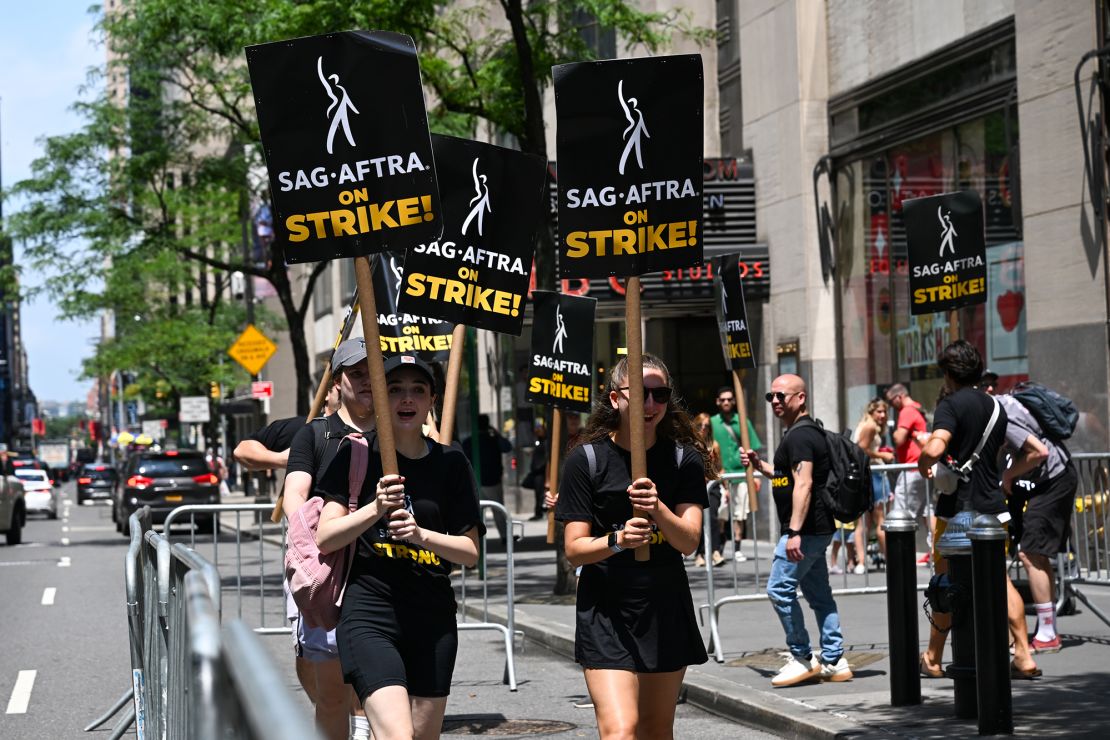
441 489
965 414
278 436
803 442
305 457
607 507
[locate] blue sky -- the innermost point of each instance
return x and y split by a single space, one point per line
46 48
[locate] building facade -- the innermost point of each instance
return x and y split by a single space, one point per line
852 107
826 115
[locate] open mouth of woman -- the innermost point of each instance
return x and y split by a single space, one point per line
406 414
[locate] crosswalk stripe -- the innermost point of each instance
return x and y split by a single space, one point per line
48 596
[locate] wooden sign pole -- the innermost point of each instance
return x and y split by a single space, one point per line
635 382
451 385
386 445
555 442
321 390
745 438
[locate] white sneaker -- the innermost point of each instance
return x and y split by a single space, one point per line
836 570
860 569
740 557
838 671
795 672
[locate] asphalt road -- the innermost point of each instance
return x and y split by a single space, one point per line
62 603
77 645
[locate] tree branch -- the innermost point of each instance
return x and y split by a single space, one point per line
309 286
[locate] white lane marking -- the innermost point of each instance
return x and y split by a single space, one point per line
65 541
63 562
91 529
48 596
21 692
65 529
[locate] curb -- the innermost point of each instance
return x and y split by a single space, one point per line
759 709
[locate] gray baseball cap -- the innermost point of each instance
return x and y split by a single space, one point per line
351 352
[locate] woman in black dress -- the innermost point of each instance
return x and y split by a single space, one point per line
397 635
636 630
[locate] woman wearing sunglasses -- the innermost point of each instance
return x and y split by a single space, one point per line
635 632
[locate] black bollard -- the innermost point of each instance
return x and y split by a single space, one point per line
955 547
992 655
901 608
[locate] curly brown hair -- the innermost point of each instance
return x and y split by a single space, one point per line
675 424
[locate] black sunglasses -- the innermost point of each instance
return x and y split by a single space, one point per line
779 396
662 394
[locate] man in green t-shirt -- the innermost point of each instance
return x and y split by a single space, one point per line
726 432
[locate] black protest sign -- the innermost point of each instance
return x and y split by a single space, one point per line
947 251
732 313
560 370
403 332
477 273
630 165
345 134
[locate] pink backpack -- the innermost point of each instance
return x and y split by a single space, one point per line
317 581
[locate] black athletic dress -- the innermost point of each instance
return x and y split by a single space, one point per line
636 616
397 626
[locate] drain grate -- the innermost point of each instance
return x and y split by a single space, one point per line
500 726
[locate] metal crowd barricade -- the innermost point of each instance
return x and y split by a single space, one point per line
250 571
187 681
507 630
737 596
1087 560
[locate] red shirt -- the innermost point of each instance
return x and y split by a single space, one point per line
911 418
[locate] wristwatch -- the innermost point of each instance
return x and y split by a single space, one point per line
790 532
613 543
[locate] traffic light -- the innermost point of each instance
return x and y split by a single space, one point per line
214 389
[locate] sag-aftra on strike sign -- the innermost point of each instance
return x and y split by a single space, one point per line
630 165
345 133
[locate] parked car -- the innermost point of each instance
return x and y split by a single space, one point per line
96 481
13 512
163 481
39 495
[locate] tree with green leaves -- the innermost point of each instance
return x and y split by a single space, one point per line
169 160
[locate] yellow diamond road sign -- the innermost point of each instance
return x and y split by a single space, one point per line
252 349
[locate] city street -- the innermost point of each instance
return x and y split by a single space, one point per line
63 602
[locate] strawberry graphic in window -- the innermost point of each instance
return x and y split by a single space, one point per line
1009 306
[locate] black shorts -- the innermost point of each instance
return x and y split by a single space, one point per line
1047 521
383 644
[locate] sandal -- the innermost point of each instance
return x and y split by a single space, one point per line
927 672
1024 674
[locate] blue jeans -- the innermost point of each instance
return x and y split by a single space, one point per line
812 574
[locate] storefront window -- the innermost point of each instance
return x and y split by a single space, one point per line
883 343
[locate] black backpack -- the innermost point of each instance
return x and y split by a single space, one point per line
847 493
1055 413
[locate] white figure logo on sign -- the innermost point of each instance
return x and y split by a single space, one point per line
339 107
560 332
479 204
947 232
633 130
398 273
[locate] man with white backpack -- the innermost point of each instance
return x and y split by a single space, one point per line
969 429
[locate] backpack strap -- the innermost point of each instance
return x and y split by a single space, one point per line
591 459
965 469
356 475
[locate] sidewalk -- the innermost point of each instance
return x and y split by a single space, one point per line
1068 700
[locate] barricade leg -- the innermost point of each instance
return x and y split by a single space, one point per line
123 700
992 660
901 583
